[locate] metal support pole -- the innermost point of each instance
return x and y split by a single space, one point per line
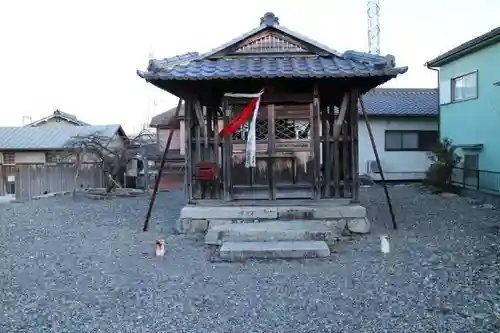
162 164
377 158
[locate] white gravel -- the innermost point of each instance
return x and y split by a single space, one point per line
85 266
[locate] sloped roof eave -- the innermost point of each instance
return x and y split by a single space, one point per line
42 138
472 45
209 70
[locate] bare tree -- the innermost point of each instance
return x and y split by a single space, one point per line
114 158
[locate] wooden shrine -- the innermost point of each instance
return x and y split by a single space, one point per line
306 129
305 150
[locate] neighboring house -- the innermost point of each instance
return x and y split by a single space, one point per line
58 118
469 98
21 147
164 123
404 124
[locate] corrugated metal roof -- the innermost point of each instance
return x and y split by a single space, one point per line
48 137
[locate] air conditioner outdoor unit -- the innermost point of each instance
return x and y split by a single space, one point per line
372 167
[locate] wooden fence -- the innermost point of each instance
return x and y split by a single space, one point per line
36 179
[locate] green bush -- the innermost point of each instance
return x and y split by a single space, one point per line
444 160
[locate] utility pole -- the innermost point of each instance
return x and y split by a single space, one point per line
151 101
27 120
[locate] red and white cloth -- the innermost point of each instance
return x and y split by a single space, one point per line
250 110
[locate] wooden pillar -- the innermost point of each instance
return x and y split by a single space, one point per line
188 153
227 152
197 153
208 190
354 146
346 154
336 157
316 143
217 157
327 157
271 150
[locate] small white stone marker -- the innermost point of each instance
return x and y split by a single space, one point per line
385 246
160 248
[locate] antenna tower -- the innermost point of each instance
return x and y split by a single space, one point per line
151 100
27 120
373 27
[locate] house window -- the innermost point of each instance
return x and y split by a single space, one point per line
9 158
410 140
51 157
464 87
471 165
444 92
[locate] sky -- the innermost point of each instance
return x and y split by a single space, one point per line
81 56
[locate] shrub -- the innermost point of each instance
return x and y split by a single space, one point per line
444 160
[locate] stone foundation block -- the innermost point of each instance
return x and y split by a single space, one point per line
185 225
321 212
229 212
213 223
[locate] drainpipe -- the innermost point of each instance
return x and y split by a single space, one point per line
439 104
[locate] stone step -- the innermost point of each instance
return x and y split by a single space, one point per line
195 218
272 231
237 251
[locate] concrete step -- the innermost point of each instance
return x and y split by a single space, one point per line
271 232
237 251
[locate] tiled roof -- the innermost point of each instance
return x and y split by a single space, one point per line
41 138
271 21
318 62
378 102
401 102
275 67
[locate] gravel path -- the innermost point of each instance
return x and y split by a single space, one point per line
84 266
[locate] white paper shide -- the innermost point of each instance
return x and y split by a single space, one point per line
251 144
385 245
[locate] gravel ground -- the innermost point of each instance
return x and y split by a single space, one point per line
84 266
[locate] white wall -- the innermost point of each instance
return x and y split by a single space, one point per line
163 134
34 157
397 165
